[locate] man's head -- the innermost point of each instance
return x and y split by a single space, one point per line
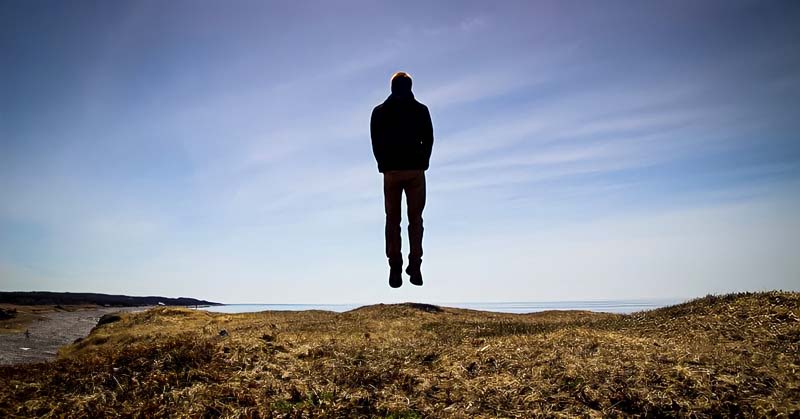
401 82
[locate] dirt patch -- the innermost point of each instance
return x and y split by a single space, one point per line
43 330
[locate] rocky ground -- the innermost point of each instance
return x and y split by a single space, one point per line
49 330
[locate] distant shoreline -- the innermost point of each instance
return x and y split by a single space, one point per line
27 298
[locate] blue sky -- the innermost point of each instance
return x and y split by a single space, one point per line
220 150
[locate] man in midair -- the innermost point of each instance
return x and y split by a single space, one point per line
402 140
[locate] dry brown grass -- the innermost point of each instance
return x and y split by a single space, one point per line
733 355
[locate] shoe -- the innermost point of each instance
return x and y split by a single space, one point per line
395 277
415 275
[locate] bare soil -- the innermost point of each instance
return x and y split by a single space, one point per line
49 328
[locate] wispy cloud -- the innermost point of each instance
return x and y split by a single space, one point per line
178 145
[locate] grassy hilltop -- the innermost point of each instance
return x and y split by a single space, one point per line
730 355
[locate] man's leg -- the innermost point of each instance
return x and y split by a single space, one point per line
415 198
392 195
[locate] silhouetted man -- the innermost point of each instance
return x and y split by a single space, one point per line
402 140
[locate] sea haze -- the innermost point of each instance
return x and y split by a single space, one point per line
607 306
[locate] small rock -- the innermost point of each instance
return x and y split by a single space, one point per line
223 332
109 318
428 308
7 314
430 358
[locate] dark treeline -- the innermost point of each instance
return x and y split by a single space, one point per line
70 298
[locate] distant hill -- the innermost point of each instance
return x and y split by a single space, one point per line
70 298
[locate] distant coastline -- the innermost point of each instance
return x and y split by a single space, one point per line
27 298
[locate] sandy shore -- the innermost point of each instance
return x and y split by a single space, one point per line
50 332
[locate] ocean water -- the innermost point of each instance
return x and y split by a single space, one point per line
606 306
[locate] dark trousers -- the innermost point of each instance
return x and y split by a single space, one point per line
412 182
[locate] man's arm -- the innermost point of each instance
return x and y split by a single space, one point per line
376 132
427 133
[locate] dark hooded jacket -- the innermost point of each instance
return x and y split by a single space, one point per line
402 133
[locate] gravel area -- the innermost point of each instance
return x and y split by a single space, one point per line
50 333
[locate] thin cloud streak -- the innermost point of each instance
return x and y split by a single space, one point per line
183 145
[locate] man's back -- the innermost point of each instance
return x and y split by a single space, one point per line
402 133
